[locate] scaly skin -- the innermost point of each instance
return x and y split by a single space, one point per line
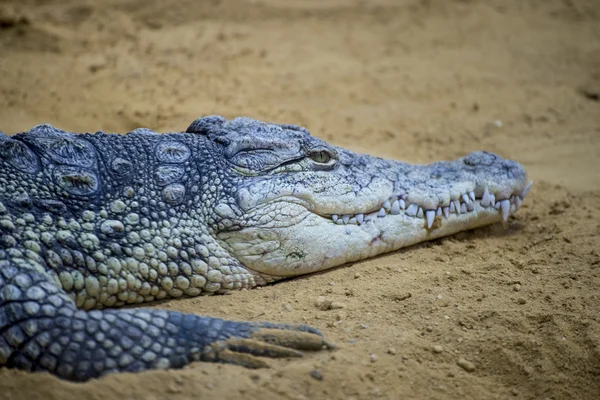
92 221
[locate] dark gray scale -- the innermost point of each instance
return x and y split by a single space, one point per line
172 151
206 124
174 194
52 206
60 146
18 155
76 180
167 174
121 168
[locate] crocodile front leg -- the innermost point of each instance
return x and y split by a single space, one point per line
42 330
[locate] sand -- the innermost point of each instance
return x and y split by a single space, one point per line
412 80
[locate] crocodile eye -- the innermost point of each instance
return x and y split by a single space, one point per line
320 156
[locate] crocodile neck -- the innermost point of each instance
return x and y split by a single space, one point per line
129 229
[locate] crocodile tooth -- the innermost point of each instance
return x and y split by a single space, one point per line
452 207
346 218
381 213
456 206
396 207
353 221
513 208
412 210
463 208
420 213
485 200
518 201
525 190
438 212
492 199
446 211
334 217
430 215
505 207
466 198
387 205
470 206
360 218
402 204
497 205
339 221
472 196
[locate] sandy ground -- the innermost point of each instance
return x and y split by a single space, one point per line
411 80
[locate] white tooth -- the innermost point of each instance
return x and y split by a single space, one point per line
518 201
402 204
456 206
360 218
485 200
525 190
334 217
345 218
497 205
472 196
352 221
438 212
396 207
505 206
492 199
387 205
446 211
452 207
412 210
420 213
513 208
466 198
470 206
339 221
430 215
381 213
463 208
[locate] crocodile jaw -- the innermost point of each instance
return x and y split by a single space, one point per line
423 203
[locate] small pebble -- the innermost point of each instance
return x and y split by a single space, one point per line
288 307
521 300
357 275
466 365
322 303
316 375
373 357
517 287
437 348
391 351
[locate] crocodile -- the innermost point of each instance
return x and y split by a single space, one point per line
90 222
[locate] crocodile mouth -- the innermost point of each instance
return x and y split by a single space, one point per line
464 204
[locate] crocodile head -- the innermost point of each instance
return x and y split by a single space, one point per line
297 204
